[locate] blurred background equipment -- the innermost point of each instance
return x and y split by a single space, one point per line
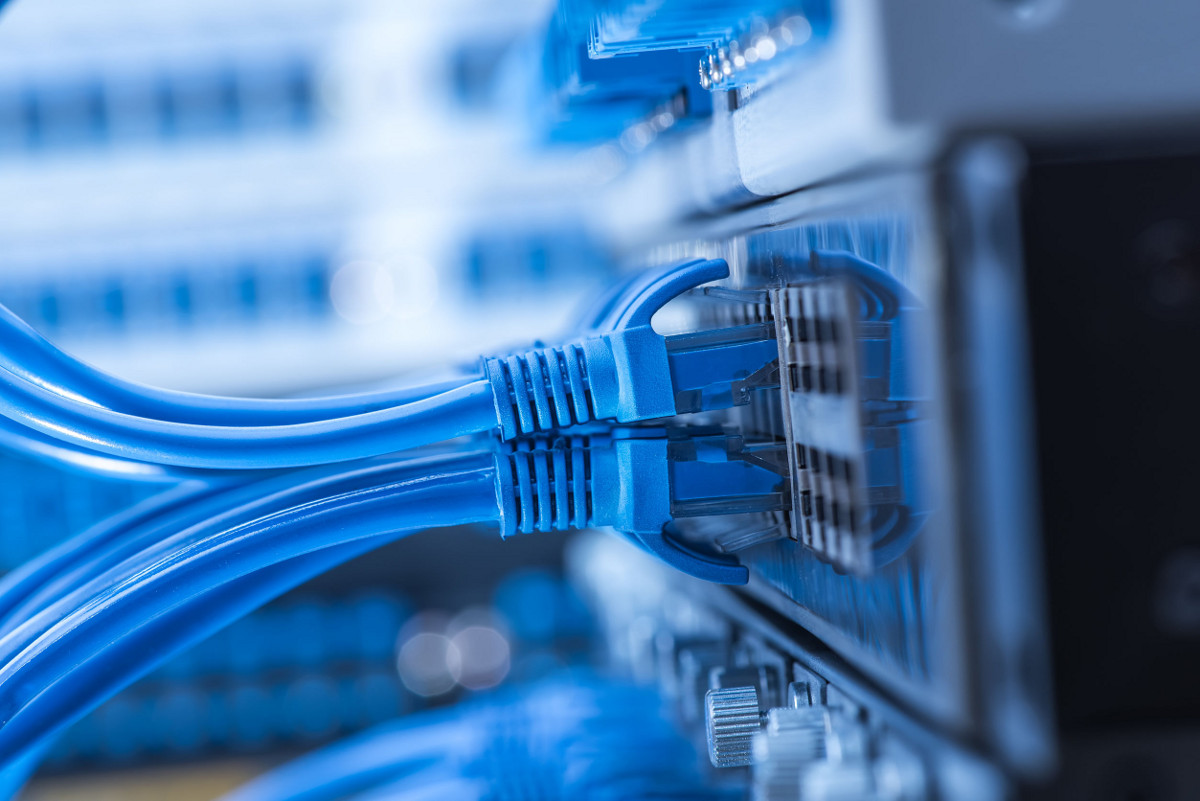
966 231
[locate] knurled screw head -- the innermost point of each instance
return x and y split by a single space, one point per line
732 717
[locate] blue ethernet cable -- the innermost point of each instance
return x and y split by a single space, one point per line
630 483
90 642
129 542
621 369
367 760
592 478
60 453
465 410
30 356
131 627
24 440
136 541
618 369
15 775
18 586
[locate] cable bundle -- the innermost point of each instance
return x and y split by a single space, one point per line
617 368
61 398
269 493
90 617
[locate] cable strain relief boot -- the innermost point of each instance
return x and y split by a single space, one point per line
598 480
564 482
623 377
541 389
544 484
617 370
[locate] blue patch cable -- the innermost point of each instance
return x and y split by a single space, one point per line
104 609
619 369
41 505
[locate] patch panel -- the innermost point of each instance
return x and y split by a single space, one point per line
183 289
97 85
256 94
501 261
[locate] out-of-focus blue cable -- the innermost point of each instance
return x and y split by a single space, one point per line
367 760
15 775
465 410
29 355
143 649
434 783
129 626
575 737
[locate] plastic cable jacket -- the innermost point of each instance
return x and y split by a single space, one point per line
17 586
231 552
66 702
29 355
133 625
112 553
116 551
466 410
24 440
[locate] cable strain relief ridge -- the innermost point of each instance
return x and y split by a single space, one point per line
544 484
540 390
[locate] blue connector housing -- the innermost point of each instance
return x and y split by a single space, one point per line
638 481
718 369
621 369
584 99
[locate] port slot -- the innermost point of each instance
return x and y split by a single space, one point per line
844 415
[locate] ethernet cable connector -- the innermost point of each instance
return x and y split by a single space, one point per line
638 481
620 369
